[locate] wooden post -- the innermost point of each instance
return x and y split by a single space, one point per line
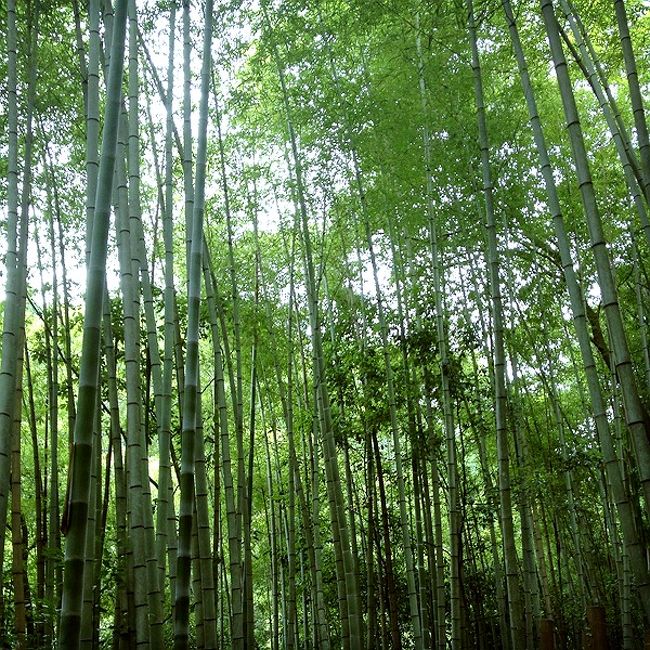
596 637
546 634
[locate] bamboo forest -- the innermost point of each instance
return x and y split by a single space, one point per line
326 324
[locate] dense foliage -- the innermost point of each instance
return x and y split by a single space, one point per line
325 324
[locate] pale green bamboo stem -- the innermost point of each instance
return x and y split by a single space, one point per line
82 448
191 394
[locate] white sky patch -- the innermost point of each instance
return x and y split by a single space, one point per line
593 293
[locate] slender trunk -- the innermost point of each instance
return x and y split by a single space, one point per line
515 607
77 507
441 335
17 540
390 575
612 467
348 599
191 395
208 595
16 256
584 58
635 415
636 97
165 506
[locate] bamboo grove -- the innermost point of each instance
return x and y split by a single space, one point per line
325 324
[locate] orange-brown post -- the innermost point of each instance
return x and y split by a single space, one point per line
546 634
597 635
